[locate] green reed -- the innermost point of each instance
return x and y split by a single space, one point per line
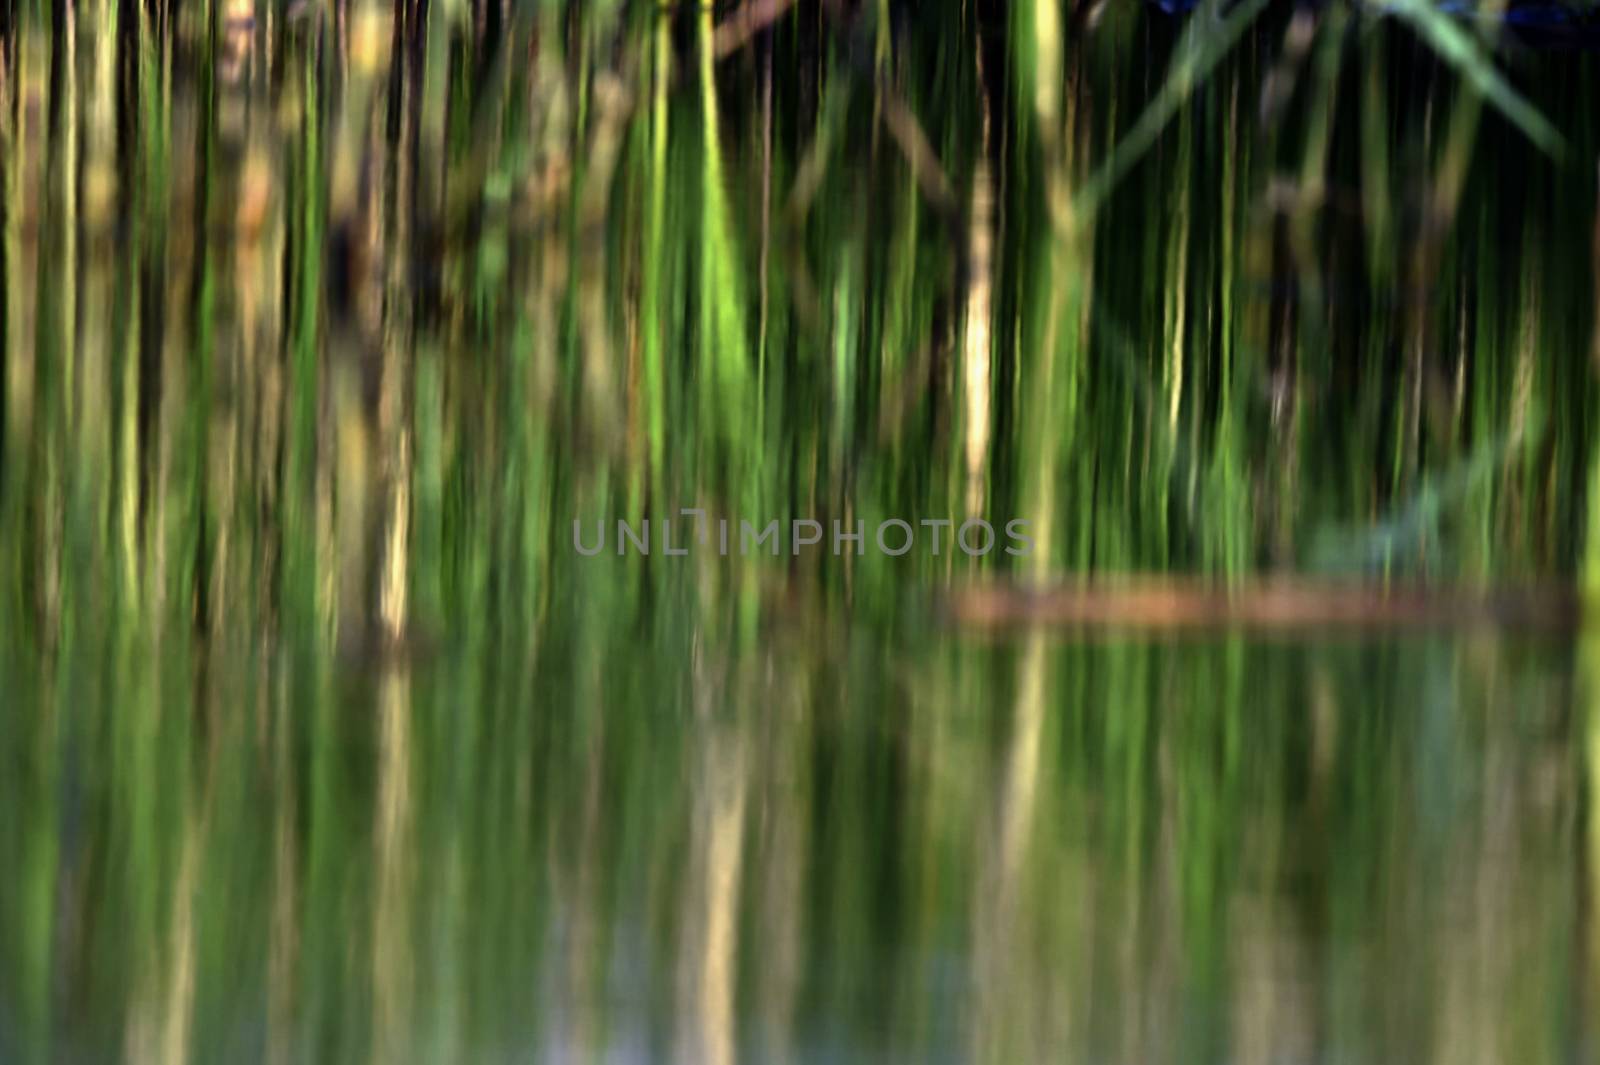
317 336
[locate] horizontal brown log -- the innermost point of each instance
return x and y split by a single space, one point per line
1157 602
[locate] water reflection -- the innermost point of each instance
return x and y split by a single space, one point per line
1132 851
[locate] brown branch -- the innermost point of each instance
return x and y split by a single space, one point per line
1273 603
920 156
751 18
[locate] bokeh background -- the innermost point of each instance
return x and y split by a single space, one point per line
322 321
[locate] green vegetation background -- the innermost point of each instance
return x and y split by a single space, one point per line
320 324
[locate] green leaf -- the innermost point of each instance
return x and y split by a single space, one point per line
1458 48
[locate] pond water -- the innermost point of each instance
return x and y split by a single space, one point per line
828 846
322 739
